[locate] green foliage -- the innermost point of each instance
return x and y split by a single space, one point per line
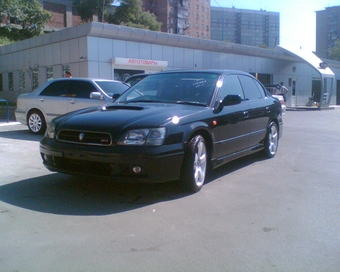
25 19
334 52
5 40
130 13
87 8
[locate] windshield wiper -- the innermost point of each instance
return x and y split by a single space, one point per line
195 103
143 101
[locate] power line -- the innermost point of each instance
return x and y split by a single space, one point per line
217 3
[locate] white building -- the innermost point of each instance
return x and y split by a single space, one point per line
111 51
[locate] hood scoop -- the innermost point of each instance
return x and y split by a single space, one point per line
122 107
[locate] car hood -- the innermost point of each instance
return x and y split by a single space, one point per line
119 117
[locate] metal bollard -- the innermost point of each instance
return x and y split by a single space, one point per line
7 107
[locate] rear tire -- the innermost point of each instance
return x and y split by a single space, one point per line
194 165
271 142
36 122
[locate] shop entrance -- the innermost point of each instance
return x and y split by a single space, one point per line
123 74
316 90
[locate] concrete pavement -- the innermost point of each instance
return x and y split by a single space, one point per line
280 214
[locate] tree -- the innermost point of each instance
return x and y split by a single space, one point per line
334 52
27 14
130 13
87 8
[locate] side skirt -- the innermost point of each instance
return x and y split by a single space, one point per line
216 162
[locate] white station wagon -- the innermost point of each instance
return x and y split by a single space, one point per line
63 95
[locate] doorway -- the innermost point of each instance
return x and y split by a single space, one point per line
123 74
294 94
338 92
316 90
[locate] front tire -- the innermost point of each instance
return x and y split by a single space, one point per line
194 165
36 122
271 142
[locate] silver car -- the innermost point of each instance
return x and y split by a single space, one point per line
59 96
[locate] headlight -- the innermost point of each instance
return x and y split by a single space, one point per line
50 131
152 136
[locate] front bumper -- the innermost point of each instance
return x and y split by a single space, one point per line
100 162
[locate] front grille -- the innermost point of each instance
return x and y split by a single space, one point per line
84 137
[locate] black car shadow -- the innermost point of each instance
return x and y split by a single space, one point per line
67 195
23 134
61 194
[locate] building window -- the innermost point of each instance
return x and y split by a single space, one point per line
22 81
10 82
49 73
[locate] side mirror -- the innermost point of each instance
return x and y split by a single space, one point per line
231 99
115 96
96 95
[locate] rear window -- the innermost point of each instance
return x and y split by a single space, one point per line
58 88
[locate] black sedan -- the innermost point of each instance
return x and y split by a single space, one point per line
169 126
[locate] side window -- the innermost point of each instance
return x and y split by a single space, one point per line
231 85
261 89
58 88
81 89
250 88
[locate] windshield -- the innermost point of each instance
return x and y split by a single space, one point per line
183 87
111 87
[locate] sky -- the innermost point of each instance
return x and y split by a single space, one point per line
297 18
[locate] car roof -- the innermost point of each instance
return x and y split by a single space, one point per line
83 79
212 71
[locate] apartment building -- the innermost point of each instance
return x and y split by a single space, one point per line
327 30
183 17
249 27
63 14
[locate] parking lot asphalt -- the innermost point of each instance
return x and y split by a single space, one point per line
280 214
